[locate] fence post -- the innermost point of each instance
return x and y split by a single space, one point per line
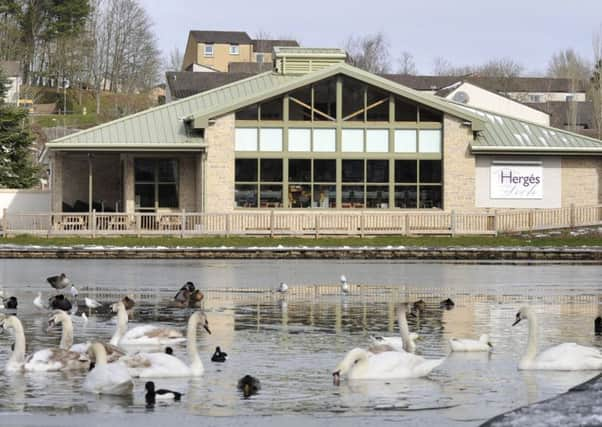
92 222
362 224
495 222
138 225
227 225
5 221
530 219
183 223
452 222
317 225
573 222
406 225
272 223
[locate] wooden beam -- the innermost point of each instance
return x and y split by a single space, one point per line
368 108
309 107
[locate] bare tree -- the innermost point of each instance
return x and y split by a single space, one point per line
504 68
370 52
596 81
406 63
175 60
443 67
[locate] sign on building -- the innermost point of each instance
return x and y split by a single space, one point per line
516 181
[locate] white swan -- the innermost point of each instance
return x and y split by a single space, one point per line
155 365
106 378
38 302
463 344
62 318
344 285
562 357
283 287
49 359
360 364
142 335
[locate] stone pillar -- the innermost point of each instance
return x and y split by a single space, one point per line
128 183
459 166
199 182
56 184
219 173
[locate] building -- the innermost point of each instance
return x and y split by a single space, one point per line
12 70
316 133
208 51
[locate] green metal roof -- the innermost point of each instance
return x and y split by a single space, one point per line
163 127
503 134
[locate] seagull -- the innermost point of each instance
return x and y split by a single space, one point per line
344 285
59 282
283 287
38 302
91 303
73 291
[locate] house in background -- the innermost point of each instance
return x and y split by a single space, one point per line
12 69
215 50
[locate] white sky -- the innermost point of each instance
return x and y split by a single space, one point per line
462 31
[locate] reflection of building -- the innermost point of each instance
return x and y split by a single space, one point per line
317 129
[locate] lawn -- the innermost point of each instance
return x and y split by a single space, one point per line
565 239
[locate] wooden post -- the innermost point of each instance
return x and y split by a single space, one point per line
92 222
317 225
452 223
138 225
406 225
362 223
5 222
183 223
573 219
531 220
227 225
272 223
496 223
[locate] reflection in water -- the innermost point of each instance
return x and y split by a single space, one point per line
292 343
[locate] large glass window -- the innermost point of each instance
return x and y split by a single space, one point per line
156 184
299 107
353 170
271 110
353 100
325 100
377 105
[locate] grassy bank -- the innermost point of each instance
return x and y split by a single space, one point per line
564 239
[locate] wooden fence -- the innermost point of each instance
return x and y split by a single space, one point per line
293 223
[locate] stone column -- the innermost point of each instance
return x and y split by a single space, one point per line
56 175
219 174
128 183
199 182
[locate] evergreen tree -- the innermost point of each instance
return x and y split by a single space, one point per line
17 169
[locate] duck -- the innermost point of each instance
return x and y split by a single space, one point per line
561 357
105 378
598 325
406 341
10 303
447 304
154 365
61 317
183 295
91 303
38 302
344 285
219 355
162 394
463 344
141 335
128 302
283 288
249 385
59 302
49 359
59 282
168 350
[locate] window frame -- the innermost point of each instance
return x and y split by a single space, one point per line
234 49
208 50
157 182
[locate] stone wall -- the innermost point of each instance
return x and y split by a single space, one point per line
219 166
581 181
459 166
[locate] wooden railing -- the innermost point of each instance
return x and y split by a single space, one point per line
301 223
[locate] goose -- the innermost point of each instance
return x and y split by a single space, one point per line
153 395
106 378
562 357
419 305
154 365
91 303
283 288
219 355
463 344
249 385
183 295
38 302
196 297
49 359
447 304
60 317
344 285
141 335
10 303
128 302
59 302
59 282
